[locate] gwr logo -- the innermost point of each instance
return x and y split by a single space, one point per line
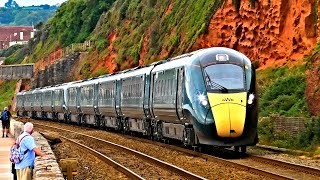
227 99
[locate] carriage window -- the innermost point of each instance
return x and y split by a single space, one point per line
58 97
72 96
87 95
37 99
47 98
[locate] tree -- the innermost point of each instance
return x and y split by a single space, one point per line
11 4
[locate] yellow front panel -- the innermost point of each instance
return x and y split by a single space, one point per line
237 119
229 112
222 119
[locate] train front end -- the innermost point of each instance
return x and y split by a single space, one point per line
225 102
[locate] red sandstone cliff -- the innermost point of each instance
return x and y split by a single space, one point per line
275 33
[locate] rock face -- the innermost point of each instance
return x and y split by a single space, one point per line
272 33
57 73
312 92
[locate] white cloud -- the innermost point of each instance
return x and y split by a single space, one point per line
33 2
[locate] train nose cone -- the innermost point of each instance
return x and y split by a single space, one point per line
229 112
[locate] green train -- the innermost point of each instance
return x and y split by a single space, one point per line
204 98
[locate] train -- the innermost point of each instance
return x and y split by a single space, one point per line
206 97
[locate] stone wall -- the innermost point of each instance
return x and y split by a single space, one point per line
45 168
289 125
56 73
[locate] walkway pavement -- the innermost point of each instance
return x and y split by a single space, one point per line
5 165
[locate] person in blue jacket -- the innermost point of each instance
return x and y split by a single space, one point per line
28 146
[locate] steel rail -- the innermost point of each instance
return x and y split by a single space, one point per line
282 150
151 159
248 168
102 157
298 167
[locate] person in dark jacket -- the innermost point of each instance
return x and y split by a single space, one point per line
5 118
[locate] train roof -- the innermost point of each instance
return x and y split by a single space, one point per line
173 63
66 85
85 82
137 72
111 77
21 93
170 63
223 50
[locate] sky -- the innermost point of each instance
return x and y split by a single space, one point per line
33 2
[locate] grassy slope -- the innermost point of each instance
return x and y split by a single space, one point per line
171 27
72 23
7 89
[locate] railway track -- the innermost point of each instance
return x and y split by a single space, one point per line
251 163
256 164
133 153
119 167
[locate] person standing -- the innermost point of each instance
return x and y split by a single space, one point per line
28 147
5 118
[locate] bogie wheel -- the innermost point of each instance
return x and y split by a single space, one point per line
243 149
236 148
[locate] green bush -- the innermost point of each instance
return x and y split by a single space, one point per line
7 89
101 44
99 71
265 129
18 56
11 50
310 136
281 91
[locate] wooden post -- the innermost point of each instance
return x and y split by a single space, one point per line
69 167
69 171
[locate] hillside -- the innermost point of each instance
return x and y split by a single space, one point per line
172 27
276 35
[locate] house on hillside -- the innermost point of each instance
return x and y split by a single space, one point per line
11 35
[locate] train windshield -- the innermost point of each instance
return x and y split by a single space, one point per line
224 77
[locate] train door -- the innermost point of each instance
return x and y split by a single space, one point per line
95 97
180 92
118 97
146 106
152 93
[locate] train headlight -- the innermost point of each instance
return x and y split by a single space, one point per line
251 98
203 100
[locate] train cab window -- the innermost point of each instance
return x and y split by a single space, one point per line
224 77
